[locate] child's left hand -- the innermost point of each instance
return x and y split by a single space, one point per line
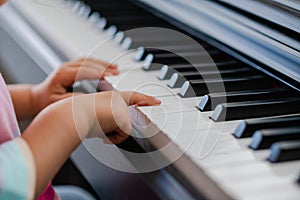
55 86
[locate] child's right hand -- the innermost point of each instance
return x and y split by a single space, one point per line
108 113
58 129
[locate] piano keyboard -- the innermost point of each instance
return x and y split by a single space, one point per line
235 123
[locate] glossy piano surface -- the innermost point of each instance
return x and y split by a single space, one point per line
189 155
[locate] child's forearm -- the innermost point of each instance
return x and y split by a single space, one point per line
52 136
58 129
22 100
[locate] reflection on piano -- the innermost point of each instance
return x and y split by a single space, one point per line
238 141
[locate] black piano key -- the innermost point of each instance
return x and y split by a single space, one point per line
130 26
143 52
264 138
178 79
168 70
148 41
125 20
247 127
172 58
167 53
210 101
285 151
130 19
255 109
122 13
114 13
112 6
151 61
194 88
229 64
126 16
145 38
149 33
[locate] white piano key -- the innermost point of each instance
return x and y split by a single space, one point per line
79 38
102 23
119 37
155 90
132 76
288 191
167 108
227 127
288 169
182 127
126 43
256 183
192 102
111 31
94 18
145 83
171 120
236 158
214 144
76 6
261 154
84 11
267 184
239 173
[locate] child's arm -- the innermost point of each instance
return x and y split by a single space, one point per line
28 100
59 128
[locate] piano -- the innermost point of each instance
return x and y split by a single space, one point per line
227 73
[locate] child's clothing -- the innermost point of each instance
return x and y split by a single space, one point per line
17 168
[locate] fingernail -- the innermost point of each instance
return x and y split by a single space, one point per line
108 74
157 100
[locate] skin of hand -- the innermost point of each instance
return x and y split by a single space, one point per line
2 2
28 100
57 130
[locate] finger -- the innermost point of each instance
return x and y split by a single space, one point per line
100 68
136 98
65 77
74 63
112 66
90 62
114 71
115 138
79 74
77 93
98 62
103 75
106 141
108 73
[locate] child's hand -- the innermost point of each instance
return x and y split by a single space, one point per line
58 130
55 87
107 114
123 129
139 99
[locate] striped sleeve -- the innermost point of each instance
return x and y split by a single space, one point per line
17 170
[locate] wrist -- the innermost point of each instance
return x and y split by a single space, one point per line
84 116
38 96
